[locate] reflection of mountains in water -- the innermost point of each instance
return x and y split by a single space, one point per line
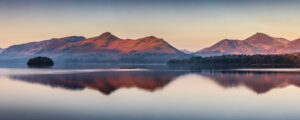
259 82
106 82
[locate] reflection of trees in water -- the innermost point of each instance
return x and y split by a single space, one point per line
259 82
106 82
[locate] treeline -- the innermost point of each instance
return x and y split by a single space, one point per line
286 60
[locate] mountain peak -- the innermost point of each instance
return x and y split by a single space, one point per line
107 36
266 42
151 38
262 40
261 34
258 37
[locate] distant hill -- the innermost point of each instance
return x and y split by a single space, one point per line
259 43
186 51
46 47
105 47
1 50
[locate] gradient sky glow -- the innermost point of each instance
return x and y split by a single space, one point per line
188 24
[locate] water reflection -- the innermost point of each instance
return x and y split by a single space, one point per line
108 82
153 95
259 82
105 82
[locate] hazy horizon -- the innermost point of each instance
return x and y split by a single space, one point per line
191 24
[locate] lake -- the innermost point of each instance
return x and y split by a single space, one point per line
149 94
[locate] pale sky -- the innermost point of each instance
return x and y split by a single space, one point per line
185 24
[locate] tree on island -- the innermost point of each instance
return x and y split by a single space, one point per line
40 62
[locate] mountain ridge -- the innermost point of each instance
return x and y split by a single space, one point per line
105 46
28 49
109 46
259 43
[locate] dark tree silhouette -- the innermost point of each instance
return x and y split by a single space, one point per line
40 62
285 60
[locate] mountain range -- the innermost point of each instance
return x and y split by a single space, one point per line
108 47
258 43
103 47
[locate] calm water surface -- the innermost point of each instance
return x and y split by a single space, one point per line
149 94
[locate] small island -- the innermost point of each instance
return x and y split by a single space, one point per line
40 62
